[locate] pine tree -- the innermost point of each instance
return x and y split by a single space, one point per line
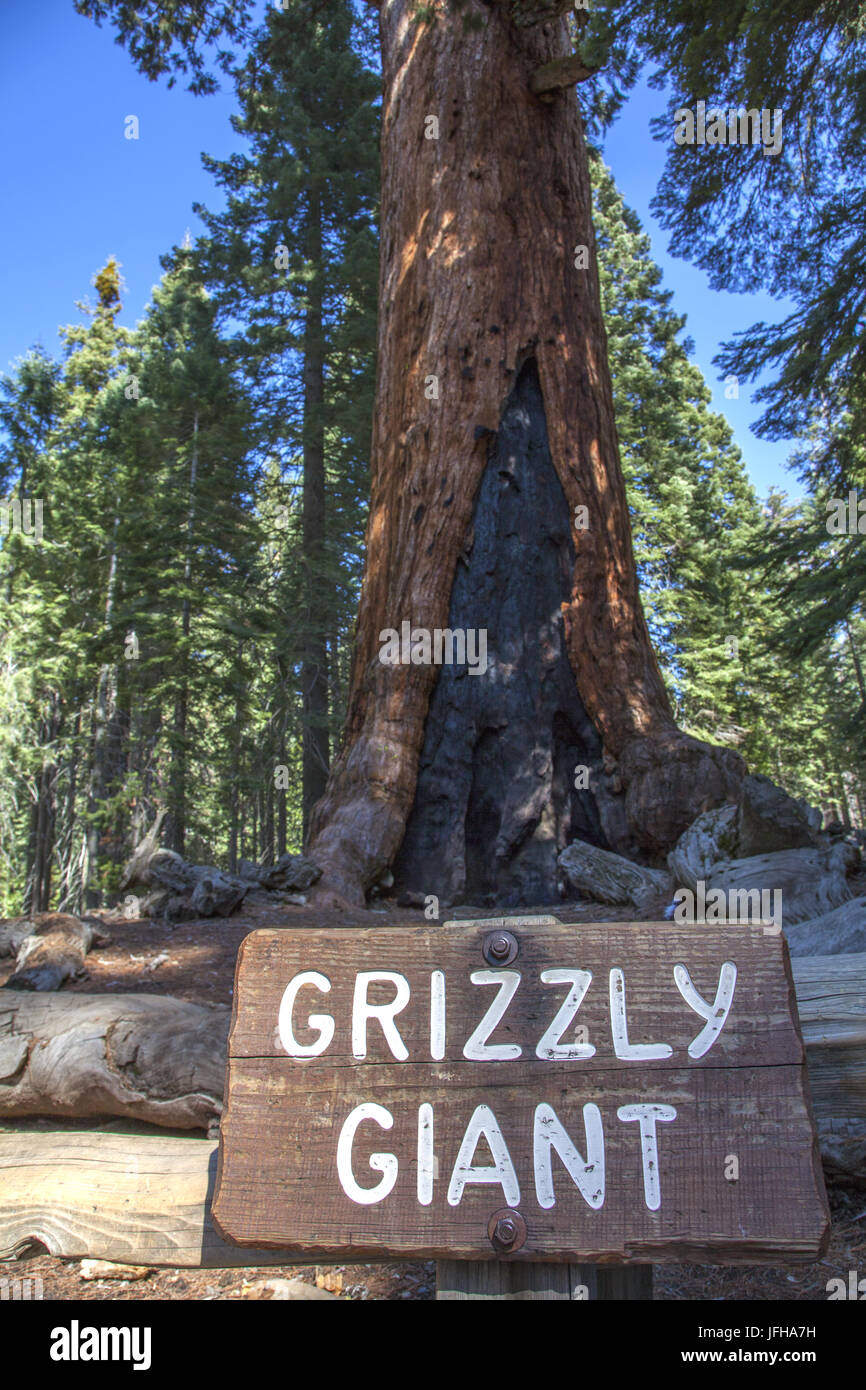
186 434
693 509
791 222
294 258
719 613
132 618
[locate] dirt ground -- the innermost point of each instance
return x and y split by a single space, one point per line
195 961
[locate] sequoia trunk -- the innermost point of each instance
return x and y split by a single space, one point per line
492 359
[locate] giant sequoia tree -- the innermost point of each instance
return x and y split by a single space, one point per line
485 287
494 431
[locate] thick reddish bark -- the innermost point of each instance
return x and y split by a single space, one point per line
479 235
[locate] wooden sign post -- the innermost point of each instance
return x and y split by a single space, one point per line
520 1091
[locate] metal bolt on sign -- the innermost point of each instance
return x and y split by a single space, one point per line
500 947
507 1230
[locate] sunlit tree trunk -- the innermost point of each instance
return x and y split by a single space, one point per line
491 331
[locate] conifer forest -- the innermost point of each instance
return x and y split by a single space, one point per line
471 520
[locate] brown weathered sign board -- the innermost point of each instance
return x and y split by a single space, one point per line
641 1098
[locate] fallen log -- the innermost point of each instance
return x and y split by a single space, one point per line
141 1199
839 932
765 822
180 891
195 890
770 820
708 840
135 870
144 1056
183 891
291 871
49 948
609 878
811 881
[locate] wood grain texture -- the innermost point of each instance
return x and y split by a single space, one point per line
132 1199
831 997
745 1097
840 932
144 1056
810 882
610 878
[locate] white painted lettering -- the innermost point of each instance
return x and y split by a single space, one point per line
715 1014
476 1048
386 1164
484 1122
426 1172
646 1116
323 1022
629 1052
362 1010
550 1048
437 1015
588 1174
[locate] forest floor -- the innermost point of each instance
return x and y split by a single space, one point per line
196 961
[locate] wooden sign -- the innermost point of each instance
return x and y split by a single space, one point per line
524 1089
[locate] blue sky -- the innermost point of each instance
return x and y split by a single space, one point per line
75 191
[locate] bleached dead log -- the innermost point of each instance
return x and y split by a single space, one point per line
811 881
144 1056
207 890
609 878
49 948
135 870
839 932
765 820
831 1001
708 840
141 1199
